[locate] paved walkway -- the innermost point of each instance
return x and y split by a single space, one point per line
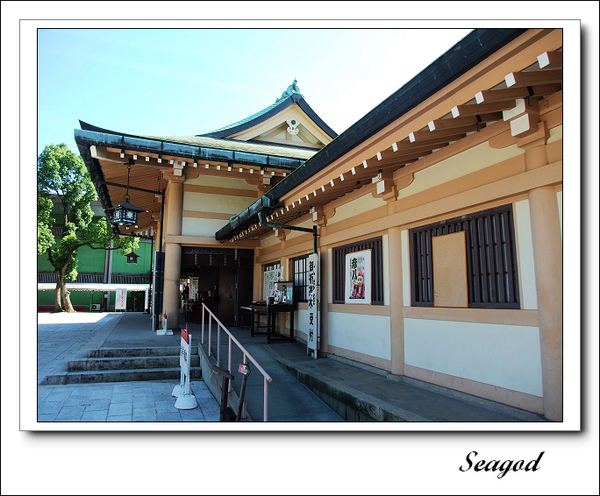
327 389
64 337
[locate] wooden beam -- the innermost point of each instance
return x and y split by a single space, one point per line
444 135
532 77
482 108
469 120
516 92
550 60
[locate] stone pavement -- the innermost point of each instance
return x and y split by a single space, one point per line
64 337
328 389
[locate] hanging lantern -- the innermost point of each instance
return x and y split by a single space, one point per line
126 214
132 258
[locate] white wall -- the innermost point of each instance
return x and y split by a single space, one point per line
526 273
193 226
367 334
500 355
208 202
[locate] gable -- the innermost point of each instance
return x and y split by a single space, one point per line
290 126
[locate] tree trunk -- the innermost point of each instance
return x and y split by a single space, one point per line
62 294
67 301
57 293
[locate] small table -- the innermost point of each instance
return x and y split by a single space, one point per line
246 311
271 311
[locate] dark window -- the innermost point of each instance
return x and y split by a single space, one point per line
300 277
339 269
272 266
491 259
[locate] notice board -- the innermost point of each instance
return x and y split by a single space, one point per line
450 270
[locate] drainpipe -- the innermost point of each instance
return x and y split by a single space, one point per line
109 257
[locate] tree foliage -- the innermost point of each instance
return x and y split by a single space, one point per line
63 180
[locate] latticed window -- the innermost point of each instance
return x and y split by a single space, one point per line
300 277
491 260
339 266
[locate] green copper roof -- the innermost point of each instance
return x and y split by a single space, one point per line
288 151
288 97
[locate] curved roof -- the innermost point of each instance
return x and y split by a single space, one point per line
287 151
290 96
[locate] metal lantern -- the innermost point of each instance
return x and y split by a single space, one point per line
126 214
132 258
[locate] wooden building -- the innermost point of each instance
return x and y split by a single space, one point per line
450 190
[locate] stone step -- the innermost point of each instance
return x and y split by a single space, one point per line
87 377
138 352
128 362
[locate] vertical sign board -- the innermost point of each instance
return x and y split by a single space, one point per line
184 359
183 392
313 302
120 298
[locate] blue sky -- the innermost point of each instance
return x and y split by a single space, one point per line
192 81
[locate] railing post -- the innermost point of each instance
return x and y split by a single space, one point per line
203 308
209 333
229 357
219 345
244 409
266 401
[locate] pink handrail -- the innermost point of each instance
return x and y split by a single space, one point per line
247 356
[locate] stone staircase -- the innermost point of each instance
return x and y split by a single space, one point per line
126 364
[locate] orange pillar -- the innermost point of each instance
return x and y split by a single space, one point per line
324 303
171 295
396 300
547 251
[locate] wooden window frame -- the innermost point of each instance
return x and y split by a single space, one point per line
491 259
339 269
300 277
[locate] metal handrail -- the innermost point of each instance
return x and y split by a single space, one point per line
247 356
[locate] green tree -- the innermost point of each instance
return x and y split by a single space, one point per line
63 179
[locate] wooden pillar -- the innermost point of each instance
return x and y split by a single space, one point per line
173 215
257 289
324 296
396 300
547 252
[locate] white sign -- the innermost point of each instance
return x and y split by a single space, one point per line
121 299
183 392
358 277
269 279
193 294
313 302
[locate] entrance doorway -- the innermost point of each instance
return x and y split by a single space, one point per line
221 278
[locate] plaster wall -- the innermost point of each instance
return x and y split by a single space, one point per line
500 355
207 202
475 159
525 255
355 207
199 227
366 334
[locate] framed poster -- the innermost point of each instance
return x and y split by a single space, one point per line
357 280
270 277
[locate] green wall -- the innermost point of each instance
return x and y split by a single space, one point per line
93 261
